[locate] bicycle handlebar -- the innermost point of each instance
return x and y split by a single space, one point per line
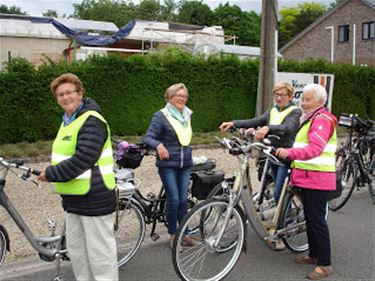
237 146
18 164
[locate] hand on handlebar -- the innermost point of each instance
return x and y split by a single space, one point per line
262 132
282 153
42 176
225 126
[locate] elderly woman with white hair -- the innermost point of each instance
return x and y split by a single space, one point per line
313 172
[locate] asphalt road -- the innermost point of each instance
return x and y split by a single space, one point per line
353 255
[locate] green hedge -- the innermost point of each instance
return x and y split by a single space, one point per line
130 90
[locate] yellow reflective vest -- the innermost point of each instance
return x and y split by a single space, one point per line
183 134
325 162
64 148
277 117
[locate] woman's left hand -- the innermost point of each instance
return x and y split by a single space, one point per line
282 153
42 176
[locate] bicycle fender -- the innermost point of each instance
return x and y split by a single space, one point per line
7 240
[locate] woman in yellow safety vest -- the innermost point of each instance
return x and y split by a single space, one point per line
170 134
82 173
313 163
281 120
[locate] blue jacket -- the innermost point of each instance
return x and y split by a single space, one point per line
161 131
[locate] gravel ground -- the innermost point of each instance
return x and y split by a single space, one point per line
36 206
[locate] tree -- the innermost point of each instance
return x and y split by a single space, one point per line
195 12
11 10
50 13
148 10
334 4
168 10
245 25
296 19
118 12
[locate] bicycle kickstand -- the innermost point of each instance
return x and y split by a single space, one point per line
58 276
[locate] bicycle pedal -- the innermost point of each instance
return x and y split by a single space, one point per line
271 241
155 236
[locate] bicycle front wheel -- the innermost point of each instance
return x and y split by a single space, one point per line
295 239
209 257
3 246
130 231
347 173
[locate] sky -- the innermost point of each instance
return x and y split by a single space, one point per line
37 7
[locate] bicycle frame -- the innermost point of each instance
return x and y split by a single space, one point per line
268 232
49 248
153 208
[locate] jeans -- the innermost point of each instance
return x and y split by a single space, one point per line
279 173
176 184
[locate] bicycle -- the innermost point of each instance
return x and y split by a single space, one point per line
355 160
52 248
136 210
222 220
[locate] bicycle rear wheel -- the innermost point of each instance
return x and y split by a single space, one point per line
130 232
347 173
371 175
292 214
3 246
204 260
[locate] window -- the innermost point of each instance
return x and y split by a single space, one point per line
368 30
343 33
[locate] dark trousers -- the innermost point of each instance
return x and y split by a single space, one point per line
316 210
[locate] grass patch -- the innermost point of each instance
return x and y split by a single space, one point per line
43 148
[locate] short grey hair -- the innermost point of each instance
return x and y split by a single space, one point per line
319 91
172 90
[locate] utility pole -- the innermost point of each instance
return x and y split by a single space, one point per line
268 56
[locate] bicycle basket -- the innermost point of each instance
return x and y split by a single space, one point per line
130 158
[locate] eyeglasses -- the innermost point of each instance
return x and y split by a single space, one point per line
66 93
181 96
280 95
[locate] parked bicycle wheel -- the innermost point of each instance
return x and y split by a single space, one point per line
347 172
130 232
3 247
204 259
292 214
221 189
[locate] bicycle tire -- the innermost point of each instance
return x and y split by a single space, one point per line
348 174
131 231
204 261
219 190
3 246
371 175
371 190
292 213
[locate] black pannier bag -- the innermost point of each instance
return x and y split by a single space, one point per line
333 194
131 158
204 182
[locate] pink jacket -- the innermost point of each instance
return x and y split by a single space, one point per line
320 132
